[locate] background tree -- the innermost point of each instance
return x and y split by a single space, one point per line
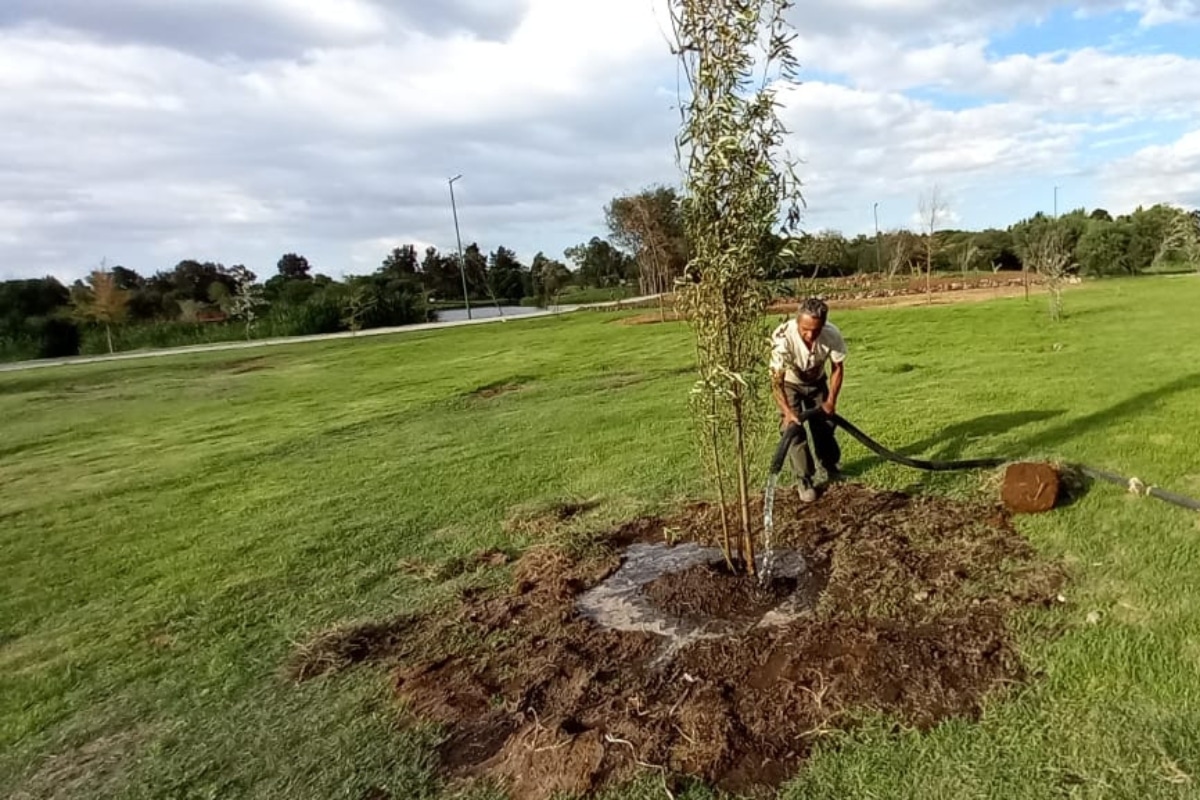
293 267
101 301
902 248
967 255
1104 249
548 279
1181 243
478 282
440 275
33 322
649 225
402 261
734 54
599 264
507 277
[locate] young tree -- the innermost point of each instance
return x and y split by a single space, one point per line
1048 252
932 208
248 299
967 254
902 248
359 303
734 55
101 301
549 277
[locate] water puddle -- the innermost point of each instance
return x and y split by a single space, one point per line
621 603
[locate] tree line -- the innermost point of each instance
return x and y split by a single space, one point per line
1097 243
644 250
116 308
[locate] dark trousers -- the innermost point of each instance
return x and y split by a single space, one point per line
821 432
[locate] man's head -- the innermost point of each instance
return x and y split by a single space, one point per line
811 319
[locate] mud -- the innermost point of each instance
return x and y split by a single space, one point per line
907 614
709 591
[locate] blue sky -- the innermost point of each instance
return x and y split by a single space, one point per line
329 127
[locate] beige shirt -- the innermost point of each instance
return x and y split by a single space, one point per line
802 365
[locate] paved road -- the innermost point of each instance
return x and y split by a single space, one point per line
211 348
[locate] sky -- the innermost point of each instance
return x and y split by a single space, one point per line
145 132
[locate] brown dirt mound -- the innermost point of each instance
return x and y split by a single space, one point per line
912 623
709 591
1030 488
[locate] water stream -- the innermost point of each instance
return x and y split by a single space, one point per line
768 529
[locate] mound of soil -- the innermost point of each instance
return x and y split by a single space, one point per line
1030 488
711 591
912 622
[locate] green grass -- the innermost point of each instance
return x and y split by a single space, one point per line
170 527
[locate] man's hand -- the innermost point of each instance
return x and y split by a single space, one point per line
829 407
790 419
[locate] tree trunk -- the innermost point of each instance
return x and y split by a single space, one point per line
743 482
929 275
108 333
727 548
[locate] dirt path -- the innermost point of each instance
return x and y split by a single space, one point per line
944 298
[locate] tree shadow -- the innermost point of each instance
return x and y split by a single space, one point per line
1139 403
950 443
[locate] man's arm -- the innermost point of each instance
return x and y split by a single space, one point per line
836 374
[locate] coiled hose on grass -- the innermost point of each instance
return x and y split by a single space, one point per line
795 431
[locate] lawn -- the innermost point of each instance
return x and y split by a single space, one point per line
170 528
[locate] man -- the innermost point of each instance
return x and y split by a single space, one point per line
801 349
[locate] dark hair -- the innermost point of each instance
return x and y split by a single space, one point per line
814 307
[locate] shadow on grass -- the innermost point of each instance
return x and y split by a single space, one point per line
950 443
1139 404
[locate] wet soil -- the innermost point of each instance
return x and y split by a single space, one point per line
913 621
712 591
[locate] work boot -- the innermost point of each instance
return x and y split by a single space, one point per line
827 475
805 490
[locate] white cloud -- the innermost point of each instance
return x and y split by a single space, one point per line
151 132
1157 174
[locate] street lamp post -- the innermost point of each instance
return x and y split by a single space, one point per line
1056 202
462 265
878 256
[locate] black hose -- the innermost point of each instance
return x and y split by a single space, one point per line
795 431
1137 487
789 435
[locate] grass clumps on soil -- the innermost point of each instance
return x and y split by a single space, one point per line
344 646
913 622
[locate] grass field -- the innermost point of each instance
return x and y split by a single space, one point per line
170 528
